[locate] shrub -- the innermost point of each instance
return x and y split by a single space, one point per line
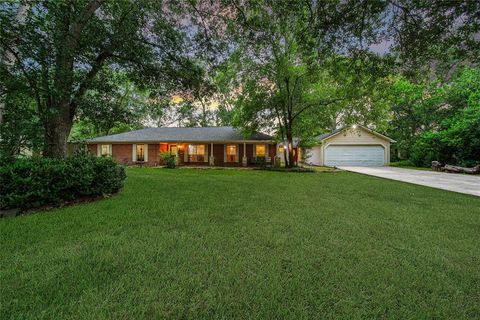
169 160
458 142
402 163
260 161
34 182
427 149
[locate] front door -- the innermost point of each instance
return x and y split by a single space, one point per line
173 149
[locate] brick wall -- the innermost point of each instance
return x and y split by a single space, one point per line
92 148
122 153
249 151
153 154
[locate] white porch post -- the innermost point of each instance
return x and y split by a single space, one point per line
244 158
212 158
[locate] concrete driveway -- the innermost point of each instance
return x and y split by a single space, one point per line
462 183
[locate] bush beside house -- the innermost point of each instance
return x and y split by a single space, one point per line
168 160
36 182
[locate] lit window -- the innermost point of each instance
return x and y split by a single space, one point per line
260 150
105 150
281 149
231 153
173 149
196 152
140 152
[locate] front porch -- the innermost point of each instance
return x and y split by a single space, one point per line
226 154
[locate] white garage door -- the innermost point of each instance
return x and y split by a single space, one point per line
354 156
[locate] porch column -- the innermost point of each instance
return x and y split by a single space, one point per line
244 158
212 158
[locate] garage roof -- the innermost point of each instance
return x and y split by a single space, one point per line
325 136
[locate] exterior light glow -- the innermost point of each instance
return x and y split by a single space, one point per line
354 126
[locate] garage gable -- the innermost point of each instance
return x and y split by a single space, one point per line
355 135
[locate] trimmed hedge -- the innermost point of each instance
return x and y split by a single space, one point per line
35 182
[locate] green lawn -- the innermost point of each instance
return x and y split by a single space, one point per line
210 244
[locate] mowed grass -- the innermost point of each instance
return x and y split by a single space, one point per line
211 244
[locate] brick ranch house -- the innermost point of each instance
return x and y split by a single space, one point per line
225 146
213 146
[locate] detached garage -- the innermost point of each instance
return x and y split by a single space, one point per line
352 146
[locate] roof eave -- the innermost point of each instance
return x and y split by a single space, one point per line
365 128
181 141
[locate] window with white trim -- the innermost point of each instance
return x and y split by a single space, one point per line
231 151
140 153
196 152
105 150
260 150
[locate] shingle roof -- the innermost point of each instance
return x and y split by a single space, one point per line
174 134
326 135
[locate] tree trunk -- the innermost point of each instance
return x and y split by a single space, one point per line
56 135
2 108
457 169
203 121
285 156
57 129
291 160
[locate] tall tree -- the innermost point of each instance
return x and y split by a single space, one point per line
411 107
437 121
64 45
287 49
199 97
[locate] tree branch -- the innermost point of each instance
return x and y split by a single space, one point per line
204 25
97 65
76 28
32 83
311 105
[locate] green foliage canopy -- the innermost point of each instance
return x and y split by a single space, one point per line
438 122
61 47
